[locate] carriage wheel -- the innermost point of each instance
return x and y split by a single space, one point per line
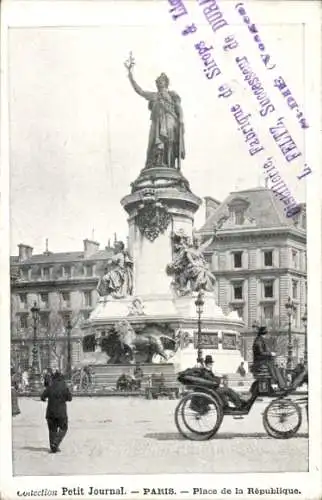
282 418
76 378
85 382
198 416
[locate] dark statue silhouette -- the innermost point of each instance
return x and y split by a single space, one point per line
124 346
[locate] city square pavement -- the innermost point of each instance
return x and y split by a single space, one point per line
132 435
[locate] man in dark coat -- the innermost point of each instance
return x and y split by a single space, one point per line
48 377
263 356
228 394
57 394
14 393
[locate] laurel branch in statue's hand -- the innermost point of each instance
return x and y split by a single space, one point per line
129 64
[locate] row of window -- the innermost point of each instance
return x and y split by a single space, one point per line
267 311
267 289
268 315
66 272
65 299
267 255
24 321
237 288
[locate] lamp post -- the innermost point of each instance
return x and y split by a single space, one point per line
304 321
199 306
69 349
35 382
290 309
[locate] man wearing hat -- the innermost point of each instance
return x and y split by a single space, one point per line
263 356
229 394
57 394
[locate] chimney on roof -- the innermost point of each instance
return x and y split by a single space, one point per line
90 247
211 206
47 252
25 252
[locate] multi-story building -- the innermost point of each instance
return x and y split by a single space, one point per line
63 286
259 259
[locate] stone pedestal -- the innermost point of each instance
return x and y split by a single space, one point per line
160 205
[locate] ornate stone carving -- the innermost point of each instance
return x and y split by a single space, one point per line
153 217
189 268
136 308
183 338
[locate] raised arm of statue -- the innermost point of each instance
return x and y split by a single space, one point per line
206 243
143 93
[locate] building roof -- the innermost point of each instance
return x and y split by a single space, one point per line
263 211
63 257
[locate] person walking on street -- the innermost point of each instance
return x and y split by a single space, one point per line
15 410
25 380
138 375
57 394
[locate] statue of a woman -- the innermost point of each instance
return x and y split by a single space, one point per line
118 276
166 138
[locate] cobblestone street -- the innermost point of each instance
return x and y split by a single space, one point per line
131 435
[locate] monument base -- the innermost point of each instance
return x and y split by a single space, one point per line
105 376
174 317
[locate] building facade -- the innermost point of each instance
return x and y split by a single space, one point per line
63 287
259 258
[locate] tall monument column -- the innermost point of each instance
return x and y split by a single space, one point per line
161 202
155 214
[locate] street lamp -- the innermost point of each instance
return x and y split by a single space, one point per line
69 349
35 382
304 321
199 306
290 309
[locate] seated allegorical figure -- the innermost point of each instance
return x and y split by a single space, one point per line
118 274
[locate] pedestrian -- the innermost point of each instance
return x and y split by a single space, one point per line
25 380
57 394
241 370
138 375
15 410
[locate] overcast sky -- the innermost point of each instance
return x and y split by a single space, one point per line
78 132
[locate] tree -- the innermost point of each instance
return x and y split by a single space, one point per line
57 334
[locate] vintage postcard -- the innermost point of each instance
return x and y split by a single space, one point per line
161 249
